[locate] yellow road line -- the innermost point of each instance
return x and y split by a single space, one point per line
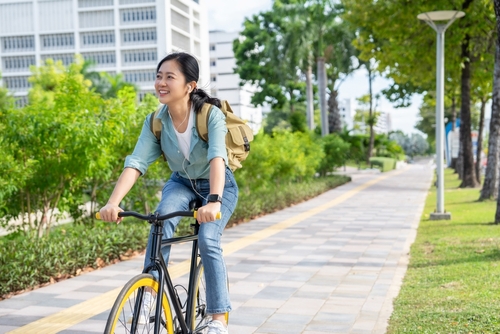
92 307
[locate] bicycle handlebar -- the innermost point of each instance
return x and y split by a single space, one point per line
152 216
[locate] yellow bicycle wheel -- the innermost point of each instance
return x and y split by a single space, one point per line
122 312
199 316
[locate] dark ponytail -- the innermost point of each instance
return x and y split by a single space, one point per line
189 67
199 97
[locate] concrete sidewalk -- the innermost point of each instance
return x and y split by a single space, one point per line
332 264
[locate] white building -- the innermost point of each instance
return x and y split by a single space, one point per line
346 113
120 36
384 123
225 84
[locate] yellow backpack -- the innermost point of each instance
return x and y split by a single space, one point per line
238 137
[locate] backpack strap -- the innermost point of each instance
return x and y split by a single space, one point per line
202 121
156 126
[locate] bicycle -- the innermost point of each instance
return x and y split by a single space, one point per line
189 317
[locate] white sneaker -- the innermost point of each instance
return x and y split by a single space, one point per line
148 305
216 327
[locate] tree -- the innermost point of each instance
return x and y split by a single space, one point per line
340 55
260 61
495 109
406 51
368 116
490 185
413 145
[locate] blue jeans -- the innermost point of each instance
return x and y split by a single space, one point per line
176 195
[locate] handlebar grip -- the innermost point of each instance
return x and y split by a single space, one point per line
217 216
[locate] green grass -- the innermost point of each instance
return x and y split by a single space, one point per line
453 280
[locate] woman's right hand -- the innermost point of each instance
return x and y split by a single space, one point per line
109 213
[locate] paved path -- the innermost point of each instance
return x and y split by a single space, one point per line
332 264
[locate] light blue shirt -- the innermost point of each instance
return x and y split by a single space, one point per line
147 149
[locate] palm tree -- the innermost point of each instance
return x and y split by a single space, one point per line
319 16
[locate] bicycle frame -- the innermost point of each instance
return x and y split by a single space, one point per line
158 264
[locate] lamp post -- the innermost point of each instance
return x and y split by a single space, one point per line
440 21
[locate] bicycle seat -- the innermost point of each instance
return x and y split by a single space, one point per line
194 204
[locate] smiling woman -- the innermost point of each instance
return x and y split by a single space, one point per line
200 172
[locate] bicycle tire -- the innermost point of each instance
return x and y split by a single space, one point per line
119 319
200 318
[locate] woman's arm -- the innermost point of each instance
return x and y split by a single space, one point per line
208 212
125 182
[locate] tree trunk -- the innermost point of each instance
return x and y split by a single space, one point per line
453 162
496 100
469 172
490 185
460 160
322 95
480 141
310 99
334 120
372 133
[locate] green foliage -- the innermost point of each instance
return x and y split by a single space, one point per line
259 61
279 159
405 47
71 131
336 153
27 261
414 144
385 147
385 164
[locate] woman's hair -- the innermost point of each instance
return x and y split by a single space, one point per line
189 67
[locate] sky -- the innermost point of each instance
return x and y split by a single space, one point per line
228 15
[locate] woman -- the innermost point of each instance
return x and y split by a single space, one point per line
199 171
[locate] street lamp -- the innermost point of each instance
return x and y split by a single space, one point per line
440 21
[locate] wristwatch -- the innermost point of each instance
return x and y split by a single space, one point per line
214 198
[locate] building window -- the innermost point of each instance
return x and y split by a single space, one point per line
94 3
214 78
138 15
21 101
129 2
97 39
65 58
18 43
101 59
139 36
142 94
17 83
18 64
57 41
131 57
147 76
213 63
212 47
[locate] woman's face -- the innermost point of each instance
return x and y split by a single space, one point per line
170 84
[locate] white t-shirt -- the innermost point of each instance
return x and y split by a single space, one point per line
184 138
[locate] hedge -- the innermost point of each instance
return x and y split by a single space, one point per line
385 164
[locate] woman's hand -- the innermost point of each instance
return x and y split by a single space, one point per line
109 213
208 212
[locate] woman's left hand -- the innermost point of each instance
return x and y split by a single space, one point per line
208 212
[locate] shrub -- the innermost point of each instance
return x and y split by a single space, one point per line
28 261
336 151
385 164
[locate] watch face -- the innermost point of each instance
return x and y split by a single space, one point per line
214 198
